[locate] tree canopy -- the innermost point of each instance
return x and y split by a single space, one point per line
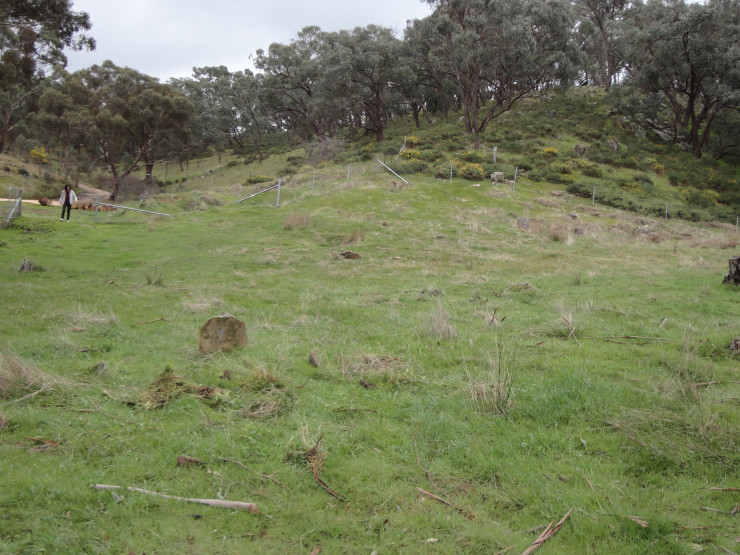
671 66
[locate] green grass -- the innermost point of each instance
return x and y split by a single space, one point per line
611 413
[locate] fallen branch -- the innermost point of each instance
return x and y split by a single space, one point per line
549 532
505 550
211 502
315 460
733 512
463 512
152 321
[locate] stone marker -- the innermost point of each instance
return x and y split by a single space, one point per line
222 333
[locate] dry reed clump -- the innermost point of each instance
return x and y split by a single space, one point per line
492 390
295 221
19 378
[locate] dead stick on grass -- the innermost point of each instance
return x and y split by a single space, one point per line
211 502
463 512
549 532
733 512
724 489
505 550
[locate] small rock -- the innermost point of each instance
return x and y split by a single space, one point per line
222 333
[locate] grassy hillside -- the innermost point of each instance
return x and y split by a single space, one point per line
476 380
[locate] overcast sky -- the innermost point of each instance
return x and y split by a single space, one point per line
167 38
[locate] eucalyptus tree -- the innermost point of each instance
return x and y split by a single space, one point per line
124 117
33 35
419 76
498 51
360 67
600 34
230 106
683 64
297 90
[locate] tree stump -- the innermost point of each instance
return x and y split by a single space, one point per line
734 275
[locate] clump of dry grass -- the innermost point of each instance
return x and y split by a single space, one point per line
168 387
547 202
354 238
369 368
18 378
263 380
439 324
268 405
295 221
81 318
201 303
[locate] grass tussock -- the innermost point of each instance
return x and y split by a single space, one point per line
439 324
492 389
18 378
83 317
295 221
354 238
371 368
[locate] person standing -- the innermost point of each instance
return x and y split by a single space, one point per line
66 200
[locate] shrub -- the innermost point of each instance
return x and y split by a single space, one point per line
473 172
413 140
592 170
524 164
474 157
23 172
410 154
550 152
695 197
252 179
232 164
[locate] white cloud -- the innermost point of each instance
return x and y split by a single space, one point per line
167 38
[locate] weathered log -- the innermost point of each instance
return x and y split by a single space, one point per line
734 275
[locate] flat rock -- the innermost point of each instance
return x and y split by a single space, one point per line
222 333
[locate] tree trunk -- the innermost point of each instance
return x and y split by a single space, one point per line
734 275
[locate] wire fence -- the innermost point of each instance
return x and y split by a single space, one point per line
14 205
